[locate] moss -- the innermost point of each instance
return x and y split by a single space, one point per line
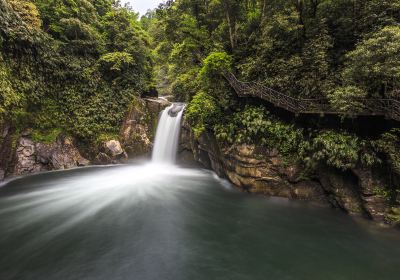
382 192
48 136
14 140
394 215
104 137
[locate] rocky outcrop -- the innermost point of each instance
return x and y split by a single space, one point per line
140 124
7 155
33 156
111 152
258 170
252 169
113 148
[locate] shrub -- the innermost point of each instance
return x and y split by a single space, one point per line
255 125
375 63
215 64
341 150
347 99
201 113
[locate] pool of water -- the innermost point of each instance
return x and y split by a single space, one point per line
163 222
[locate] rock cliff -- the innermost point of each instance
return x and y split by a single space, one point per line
36 156
258 170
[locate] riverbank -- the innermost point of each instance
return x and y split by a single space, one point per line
258 170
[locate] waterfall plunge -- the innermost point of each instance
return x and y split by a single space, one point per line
167 136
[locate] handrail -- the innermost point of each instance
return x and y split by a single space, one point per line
389 108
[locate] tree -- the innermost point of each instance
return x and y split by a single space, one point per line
375 63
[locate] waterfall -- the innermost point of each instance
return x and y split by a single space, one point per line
167 136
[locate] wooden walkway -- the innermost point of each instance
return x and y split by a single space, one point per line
388 108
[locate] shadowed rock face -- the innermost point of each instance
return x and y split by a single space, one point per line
258 170
138 128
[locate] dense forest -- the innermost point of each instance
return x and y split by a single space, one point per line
336 49
76 66
70 66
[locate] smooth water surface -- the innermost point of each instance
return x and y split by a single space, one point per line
163 222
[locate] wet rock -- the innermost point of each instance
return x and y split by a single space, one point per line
113 148
174 111
156 105
26 160
34 157
341 189
2 174
83 162
102 158
374 204
140 124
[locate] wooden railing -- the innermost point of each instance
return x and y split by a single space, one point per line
388 108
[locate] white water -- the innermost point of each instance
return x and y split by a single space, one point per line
167 136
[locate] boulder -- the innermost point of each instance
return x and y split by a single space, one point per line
102 158
174 111
113 148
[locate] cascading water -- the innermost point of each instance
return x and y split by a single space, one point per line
167 136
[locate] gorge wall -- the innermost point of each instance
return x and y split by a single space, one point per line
258 170
21 154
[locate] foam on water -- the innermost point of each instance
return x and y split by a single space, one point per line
167 136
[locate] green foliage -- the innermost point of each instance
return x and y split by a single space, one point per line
382 192
394 215
339 150
347 99
78 73
215 64
202 112
115 62
104 137
375 63
48 137
389 145
74 29
333 49
185 86
53 11
254 124
28 12
10 100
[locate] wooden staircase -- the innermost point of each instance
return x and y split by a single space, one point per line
388 108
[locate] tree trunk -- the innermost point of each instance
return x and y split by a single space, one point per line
232 32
